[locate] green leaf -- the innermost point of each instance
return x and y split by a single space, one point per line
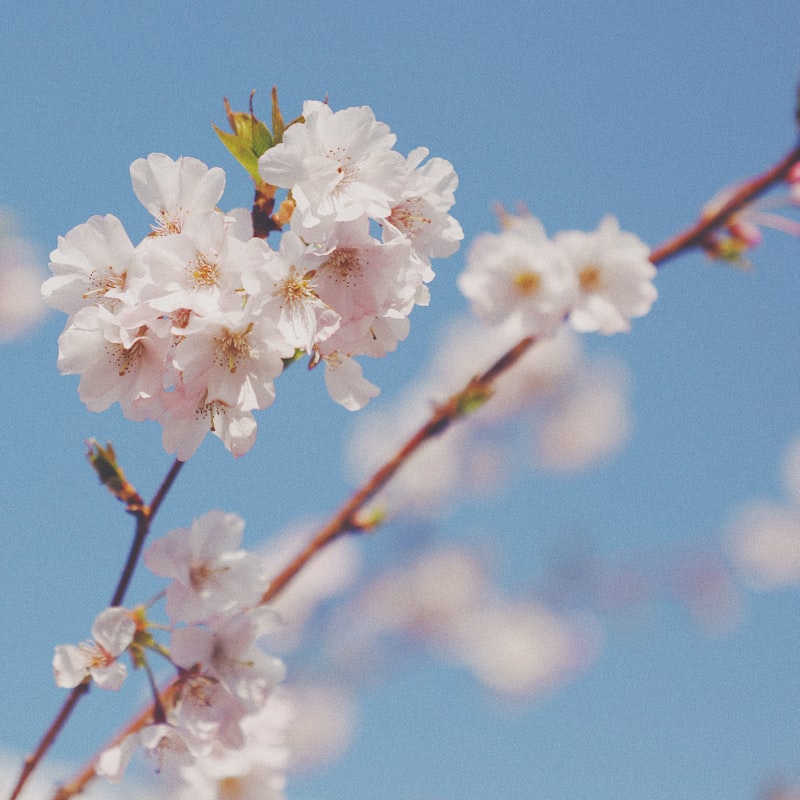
250 138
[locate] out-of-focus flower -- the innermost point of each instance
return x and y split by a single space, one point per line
21 306
589 423
615 277
764 537
519 278
445 600
255 770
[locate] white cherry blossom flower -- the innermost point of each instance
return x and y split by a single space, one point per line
615 277
421 212
189 416
227 652
167 745
346 383
285 286
89 266
176 192
211 575
519 278
339 166
232 357
113 632
117 363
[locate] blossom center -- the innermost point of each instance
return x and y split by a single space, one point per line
128 356
409 217
168 223
233 347
201 574
590 279
295 290
203 271
527 283
101 282
96 656
347 169
345 265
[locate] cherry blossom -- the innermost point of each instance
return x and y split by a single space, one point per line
227 652
519 278
90 266
113 633
339 165
615 277
176 191
210 574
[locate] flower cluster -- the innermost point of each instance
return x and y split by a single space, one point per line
192 325
531 284
224 679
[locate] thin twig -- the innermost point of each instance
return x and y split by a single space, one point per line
697 235
144 519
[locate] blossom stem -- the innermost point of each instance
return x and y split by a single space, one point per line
443 415
144 519
34 758
698 234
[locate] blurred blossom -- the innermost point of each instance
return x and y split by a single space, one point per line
332 571
322 727
591 422
21 305
764 537
586 418
764 542
791 470
522 649
445 601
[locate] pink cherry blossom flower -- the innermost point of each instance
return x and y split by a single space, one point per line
168 746
113 632
284 286
421 212
211 575
116 363
227 652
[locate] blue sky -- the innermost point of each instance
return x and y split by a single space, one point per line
575 109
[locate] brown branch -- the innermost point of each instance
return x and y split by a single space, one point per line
144 519
477 391
698 234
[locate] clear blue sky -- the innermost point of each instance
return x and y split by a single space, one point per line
577 109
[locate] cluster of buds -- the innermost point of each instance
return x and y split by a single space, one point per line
742 231
192 325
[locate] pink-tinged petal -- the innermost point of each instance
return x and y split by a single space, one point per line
70 666
109 677
346 384
190 646
114 630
